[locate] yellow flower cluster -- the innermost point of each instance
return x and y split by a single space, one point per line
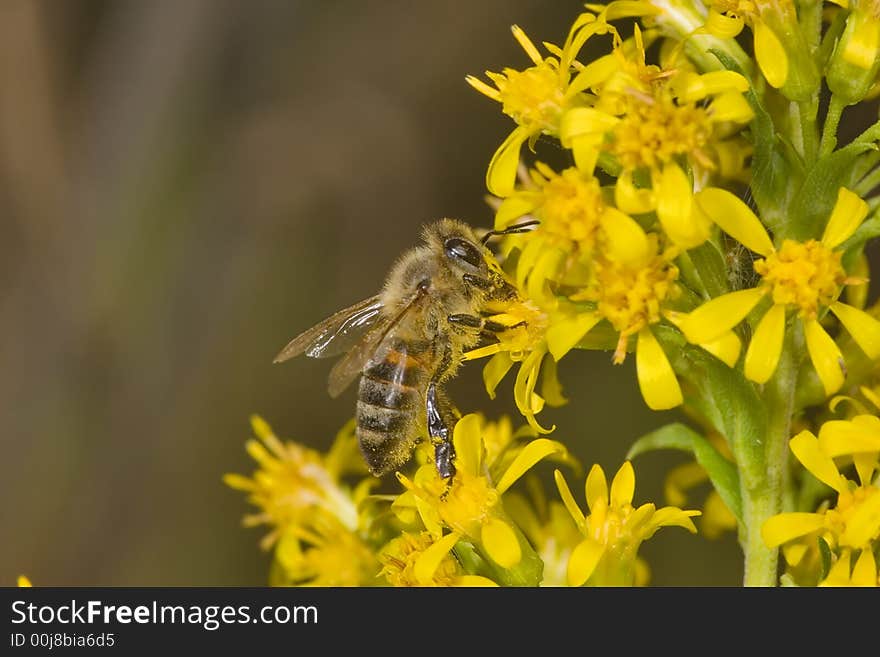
465 531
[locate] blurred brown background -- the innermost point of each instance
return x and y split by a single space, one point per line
183 187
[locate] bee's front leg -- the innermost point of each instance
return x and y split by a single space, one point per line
440 419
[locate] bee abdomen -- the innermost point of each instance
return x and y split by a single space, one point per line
390 401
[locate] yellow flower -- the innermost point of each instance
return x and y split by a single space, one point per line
323 553
804 277
853 523
23 582
417 559
470 503
651 121
613 529
864 573
536 97
294 482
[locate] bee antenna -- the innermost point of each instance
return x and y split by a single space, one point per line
524 227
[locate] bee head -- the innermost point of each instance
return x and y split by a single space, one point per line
460 248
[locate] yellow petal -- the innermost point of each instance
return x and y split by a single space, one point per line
726 348
805 447
474 580
863 328
840 437
771 56
720 25
719 315
501 176
675 208
238 482
864 523
784 527
526 44
656 377
865 463
468 444
864 41
682 478
593 74
735 218
865 571
528 456
848 213
583 561
631 199
623 486
495 370
565 333
671 516
731 106
514 207
583 121
766 345
596 488
627 241
825 356
429 560
24 582
500 543
568 499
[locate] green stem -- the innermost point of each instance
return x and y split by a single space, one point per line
762 497
809 137
832 120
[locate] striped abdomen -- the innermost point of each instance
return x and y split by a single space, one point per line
391 404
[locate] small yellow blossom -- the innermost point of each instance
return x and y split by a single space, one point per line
535 98
24 582
470 503
417 559
853 524
613 529
294 482
804 277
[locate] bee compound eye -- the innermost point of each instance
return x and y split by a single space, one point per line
460 249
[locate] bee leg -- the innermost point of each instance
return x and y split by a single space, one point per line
481 323
440 417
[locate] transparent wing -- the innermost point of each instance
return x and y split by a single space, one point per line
353 363
336 334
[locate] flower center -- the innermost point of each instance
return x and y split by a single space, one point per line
631 297
533 97
655 130
803 274
467 503
741 8
847 512
571 208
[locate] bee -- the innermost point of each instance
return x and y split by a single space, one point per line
409 339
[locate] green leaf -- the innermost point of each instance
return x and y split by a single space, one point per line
825 554
708 269
722 473
725 399
815 199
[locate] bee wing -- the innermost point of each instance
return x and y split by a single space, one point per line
354 362
337 333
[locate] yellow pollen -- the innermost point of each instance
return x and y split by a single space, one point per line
467 503
656 130
533 97
571 208
631 297
805 275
